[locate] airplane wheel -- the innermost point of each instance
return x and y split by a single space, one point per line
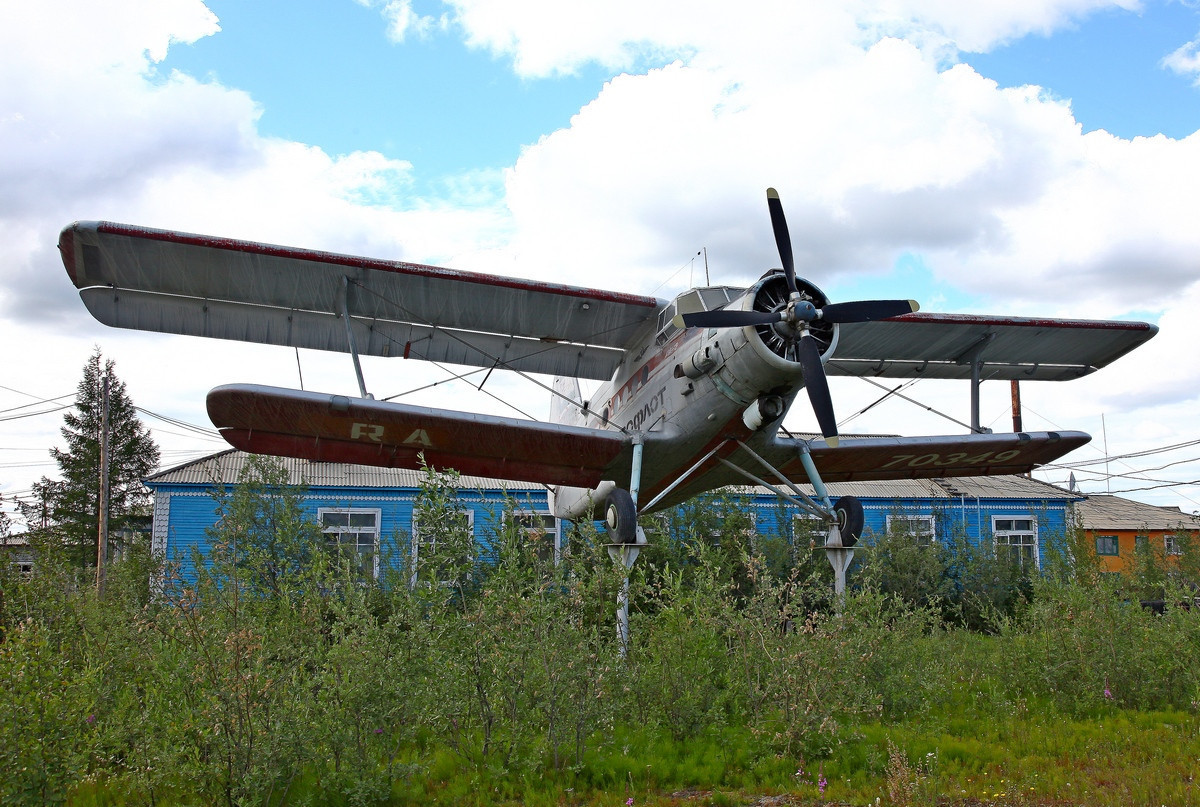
849 512
620 517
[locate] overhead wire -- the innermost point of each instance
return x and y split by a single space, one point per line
201 430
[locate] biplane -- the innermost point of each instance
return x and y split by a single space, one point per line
695 388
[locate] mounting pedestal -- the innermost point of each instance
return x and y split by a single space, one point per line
625 554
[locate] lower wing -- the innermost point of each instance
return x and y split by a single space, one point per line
335 428
882 458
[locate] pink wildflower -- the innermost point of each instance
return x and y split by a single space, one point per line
629 802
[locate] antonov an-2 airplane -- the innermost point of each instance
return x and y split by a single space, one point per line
696 387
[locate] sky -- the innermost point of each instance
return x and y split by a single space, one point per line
1024 157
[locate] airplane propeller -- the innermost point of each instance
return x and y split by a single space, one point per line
792 321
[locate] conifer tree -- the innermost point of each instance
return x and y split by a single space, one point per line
67 509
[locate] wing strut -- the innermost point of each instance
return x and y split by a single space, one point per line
842 526
974 357
362 385
805 502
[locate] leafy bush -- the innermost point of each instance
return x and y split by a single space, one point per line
278 674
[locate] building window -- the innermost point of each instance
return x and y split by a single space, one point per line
541 534
353 533
1171 544
1107 545
1016 538
921 528
741 526
808 529
1141 543
450 544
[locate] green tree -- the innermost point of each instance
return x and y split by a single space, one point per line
67 509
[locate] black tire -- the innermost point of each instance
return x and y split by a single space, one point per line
849 512
620 517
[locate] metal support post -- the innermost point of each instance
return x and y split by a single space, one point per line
625 554
975 382
839 556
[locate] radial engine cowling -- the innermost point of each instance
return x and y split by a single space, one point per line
771 294
756 360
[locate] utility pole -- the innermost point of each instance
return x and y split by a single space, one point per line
102 541
1015 387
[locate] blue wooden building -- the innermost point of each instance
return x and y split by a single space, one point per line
372 510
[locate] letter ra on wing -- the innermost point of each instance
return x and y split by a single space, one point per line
419 437
366 431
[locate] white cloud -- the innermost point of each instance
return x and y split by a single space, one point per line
1185 61
402 20
544 37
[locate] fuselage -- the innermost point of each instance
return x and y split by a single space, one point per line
693 386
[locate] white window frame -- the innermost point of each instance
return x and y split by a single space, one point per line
1171 544
806 523
1009 533
326 531
751 534
911 525
418 541
541 529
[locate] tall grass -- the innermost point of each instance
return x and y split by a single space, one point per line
279 676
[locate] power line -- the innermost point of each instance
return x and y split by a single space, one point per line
1131 455
180 423
35 414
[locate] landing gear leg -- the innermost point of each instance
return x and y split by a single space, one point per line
620 519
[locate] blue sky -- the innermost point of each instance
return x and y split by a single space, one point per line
327 74
1110 67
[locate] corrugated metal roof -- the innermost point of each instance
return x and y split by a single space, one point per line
1115 513
972 487
224 468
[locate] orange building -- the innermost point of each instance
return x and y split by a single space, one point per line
1116 528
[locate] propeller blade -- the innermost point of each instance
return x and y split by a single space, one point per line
782 239
867 310
818 388
725 319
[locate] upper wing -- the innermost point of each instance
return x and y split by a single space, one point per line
943 346
335 428
156 280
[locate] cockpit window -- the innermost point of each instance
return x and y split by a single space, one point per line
692 300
